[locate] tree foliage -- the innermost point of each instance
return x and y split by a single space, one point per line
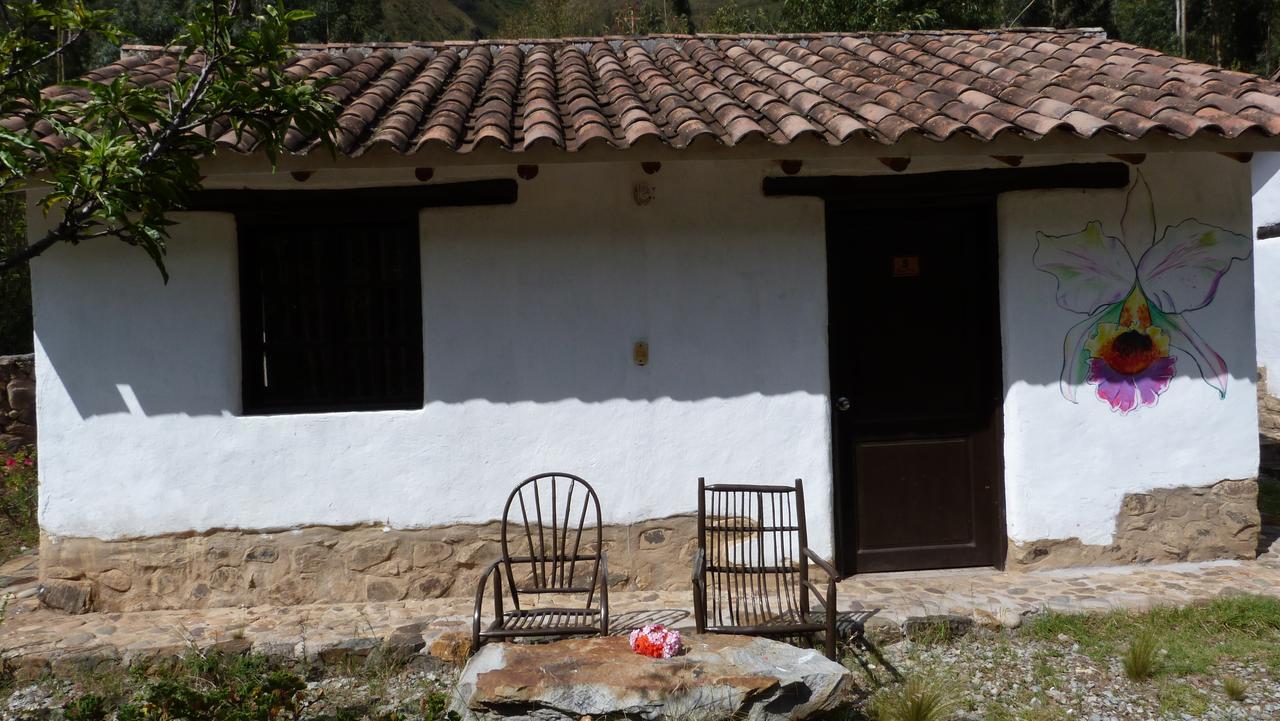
133 151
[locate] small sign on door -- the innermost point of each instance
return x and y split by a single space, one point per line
906 266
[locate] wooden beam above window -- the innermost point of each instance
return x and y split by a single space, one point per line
365 204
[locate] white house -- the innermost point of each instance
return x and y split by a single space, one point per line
989 294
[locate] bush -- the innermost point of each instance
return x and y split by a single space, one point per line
1235 688
918 699
18 488
213 687
1140 658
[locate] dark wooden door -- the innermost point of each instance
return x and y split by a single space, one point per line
915 385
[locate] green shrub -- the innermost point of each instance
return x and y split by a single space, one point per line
1235 688
1140 658
18 487
89 707
435 707
212 687
917 699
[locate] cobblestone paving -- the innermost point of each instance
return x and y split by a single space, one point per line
35 640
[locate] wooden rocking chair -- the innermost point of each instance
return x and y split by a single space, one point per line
751 568
543 552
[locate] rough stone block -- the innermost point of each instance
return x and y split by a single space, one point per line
348 651
430 553
404 642
116 580
22 394
69 596
366 555
385 589
717 677
22 430
262 554
451 646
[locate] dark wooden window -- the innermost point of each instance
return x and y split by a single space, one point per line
331 315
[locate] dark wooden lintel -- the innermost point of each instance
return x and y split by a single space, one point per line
367 204
896 164
1266 232
955 182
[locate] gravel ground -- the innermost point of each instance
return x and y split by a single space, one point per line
998 676
1001 675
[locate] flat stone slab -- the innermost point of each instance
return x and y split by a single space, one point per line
716 677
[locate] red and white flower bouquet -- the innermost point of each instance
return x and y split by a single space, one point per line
656 640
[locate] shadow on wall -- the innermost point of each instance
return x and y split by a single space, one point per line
122 341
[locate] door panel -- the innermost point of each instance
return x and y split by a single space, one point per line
916 386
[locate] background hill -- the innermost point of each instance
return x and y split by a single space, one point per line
1241 34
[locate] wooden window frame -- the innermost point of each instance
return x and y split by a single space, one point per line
258 210
338 379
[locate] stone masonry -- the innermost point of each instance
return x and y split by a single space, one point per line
17 401
1164 525
1268 409
324 564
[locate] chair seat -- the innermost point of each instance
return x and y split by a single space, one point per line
771 623
547 622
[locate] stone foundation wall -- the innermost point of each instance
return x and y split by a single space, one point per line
1165 525
322 564
1268 409
17 401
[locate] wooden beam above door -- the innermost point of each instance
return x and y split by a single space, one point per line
1107 175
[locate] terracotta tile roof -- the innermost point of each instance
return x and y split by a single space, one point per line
619 91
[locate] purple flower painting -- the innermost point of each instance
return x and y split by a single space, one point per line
1134 311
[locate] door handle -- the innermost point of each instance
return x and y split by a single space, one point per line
842 404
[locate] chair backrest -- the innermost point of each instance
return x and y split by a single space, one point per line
751 539
551 535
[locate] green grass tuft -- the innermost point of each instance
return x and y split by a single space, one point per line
917 699
1235 688
1140 657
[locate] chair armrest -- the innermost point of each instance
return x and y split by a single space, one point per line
699 565
821 562
475 618
700 590
829 602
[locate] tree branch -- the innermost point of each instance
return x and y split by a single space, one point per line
71 226
14 72
65 230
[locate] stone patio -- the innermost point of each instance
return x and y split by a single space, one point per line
34 640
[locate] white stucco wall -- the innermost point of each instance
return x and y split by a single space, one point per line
530 313
1266 211
1068 465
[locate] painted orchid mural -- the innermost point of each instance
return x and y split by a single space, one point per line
1134 312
